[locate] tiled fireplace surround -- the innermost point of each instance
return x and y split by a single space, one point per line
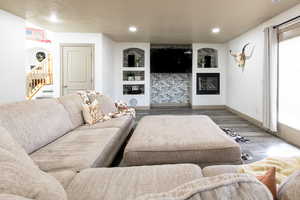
171 88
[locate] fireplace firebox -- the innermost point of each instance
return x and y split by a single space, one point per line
208 83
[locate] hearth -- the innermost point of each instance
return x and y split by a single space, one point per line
208 83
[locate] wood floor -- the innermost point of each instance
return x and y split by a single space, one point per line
261 145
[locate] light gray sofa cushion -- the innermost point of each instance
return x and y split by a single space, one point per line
73 104
64 177
219 170
167 139
36 123
129 183
120 122
226 187
20 176
77 150
290 188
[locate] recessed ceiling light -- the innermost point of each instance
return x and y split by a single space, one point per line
133 29
275 1
53 18
216 30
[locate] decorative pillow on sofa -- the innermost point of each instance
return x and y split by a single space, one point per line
269 179
92 113
290 188
123 109
226 186
20 176
107 105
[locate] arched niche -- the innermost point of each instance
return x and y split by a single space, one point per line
207 58
133 57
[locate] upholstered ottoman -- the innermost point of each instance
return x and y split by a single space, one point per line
167 139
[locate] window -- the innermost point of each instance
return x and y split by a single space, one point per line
289 82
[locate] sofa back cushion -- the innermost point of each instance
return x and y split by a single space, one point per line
73 104
36 123
289 189
20 176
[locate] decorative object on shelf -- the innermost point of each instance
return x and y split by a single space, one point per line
241 58
137 78
133 75
130 76
40 56
136 89
207 58
133 57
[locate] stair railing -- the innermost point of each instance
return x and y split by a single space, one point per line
39 76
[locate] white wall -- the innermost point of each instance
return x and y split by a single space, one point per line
107 79
210 100
143 100
12 58
103 58
244 88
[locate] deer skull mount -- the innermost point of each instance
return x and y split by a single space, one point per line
241 58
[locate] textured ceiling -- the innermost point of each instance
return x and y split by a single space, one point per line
159 21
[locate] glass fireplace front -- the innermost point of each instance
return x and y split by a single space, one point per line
208 83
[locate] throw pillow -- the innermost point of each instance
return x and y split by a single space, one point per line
20 176
107 105
289 189
269 180
92 113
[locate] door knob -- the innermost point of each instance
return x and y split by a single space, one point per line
65 86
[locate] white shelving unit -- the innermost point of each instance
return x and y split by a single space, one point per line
133 64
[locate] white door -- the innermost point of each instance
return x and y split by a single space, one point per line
77 69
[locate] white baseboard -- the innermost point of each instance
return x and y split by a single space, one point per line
209 107
246 117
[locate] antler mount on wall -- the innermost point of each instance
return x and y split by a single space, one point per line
241 58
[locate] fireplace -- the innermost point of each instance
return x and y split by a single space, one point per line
208 83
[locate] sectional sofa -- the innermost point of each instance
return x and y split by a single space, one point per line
47 153
53 133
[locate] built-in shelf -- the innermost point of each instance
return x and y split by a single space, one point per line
133 75
207 58
133 82
134 57
134 89
133 71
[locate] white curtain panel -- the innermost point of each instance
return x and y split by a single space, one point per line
270 86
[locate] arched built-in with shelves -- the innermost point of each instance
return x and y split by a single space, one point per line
133 57
207 58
